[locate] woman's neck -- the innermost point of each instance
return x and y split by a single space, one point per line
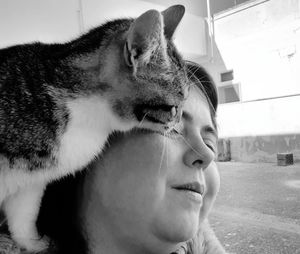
105 235
102 237
101 234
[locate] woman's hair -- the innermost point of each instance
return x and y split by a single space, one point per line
204 81
199 76
58 217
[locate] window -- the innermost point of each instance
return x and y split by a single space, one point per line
227 76
229 93
218 6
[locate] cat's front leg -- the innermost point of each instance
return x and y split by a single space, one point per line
21 210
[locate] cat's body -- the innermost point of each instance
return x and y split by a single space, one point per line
59 103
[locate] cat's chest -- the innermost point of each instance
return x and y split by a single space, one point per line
91 122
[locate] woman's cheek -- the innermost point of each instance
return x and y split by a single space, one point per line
212 179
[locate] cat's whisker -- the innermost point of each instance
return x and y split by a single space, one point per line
2 222
204 81
167 152
189 145
162 154
141 122
192 74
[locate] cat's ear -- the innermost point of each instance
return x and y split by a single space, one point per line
172 17
143 37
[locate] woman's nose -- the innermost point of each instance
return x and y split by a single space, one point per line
198 155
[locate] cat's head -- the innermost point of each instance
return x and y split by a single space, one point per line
146 73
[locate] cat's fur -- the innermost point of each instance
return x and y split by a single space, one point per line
59 103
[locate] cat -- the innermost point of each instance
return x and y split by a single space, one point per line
59 103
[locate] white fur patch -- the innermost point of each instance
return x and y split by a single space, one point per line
91 122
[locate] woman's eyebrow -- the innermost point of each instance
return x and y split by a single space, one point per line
207 128
211 130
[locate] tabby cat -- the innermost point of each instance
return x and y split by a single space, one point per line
59 103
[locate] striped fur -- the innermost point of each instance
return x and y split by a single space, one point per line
59 103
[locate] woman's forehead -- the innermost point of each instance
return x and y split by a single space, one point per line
197 106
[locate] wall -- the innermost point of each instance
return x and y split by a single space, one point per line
260 41
264 148
195 7
59 21
258 130
260 44
190 36
265 117
36 20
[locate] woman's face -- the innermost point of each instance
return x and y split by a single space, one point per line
152 188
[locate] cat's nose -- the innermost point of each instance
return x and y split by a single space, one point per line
172 112
176 113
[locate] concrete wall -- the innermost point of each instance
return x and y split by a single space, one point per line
36 20
190 37
264 148
260 42
59 21
266 117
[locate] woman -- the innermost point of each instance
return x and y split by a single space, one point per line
148 193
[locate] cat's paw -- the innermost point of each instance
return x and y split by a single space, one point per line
34 245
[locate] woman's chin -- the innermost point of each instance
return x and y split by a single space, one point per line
184 235
180 230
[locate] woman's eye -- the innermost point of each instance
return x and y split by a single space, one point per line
210 145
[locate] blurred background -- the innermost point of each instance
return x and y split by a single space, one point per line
252 50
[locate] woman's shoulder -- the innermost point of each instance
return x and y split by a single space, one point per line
205 242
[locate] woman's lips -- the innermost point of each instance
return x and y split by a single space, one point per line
192 186
193 191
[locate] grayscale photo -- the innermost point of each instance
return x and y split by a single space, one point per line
149 127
